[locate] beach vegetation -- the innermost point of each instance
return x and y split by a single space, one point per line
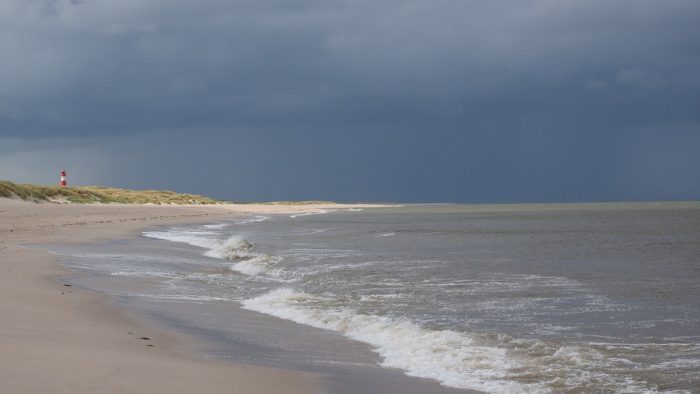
99 194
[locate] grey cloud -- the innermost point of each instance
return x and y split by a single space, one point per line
129 65
497 95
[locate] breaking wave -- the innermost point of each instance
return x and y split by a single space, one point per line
493 363
447 356
242 252
258 265
254 219
319 212
247 260
234 248
200 238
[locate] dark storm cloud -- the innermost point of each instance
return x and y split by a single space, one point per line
94 67
449 100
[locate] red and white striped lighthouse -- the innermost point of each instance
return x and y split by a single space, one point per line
63 178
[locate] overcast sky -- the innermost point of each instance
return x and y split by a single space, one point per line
413 101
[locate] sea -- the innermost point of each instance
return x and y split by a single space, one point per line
540 298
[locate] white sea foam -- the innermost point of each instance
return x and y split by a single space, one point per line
233 248
247 261
318 212
311 231
389 234
451 357
182 297
254 219
199 238
494 363
144 274
140 258
248 267
217 226
257 265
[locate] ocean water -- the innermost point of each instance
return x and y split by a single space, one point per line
501 299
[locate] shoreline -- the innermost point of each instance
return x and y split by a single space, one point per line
64 339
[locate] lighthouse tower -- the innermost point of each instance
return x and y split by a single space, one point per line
63 178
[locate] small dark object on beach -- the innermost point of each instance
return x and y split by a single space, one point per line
67 285
149 345
145 338
130 333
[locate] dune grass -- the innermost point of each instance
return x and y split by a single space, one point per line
99 194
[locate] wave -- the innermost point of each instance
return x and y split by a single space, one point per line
247 260
233 248
217 226
254 219
203 236
144 274
312 231
182 297
318 212
450 357
494 363
257 265
199 238
381 235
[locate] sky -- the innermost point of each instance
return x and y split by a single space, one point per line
465 101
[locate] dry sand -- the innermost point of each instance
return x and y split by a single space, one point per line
59 339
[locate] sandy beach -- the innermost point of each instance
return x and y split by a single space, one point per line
61 339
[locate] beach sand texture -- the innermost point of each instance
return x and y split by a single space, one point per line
60 339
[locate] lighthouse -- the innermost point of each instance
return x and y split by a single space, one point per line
63 178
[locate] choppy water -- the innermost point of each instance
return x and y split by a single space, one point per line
550 298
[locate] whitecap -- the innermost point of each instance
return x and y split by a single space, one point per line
494 363
233 248
202 239
254 219
318 212
217 226
451 357
257 265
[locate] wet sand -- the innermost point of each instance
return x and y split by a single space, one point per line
61 339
